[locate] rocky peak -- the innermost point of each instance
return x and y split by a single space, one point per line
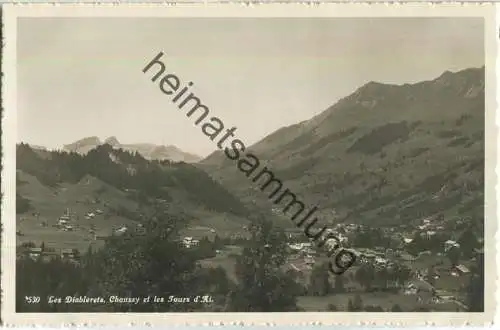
112 141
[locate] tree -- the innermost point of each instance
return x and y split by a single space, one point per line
319 283
365 275
468 242
206 248
22 204
475 289
396 308
332 308
373 309
154 263
262 284
401 273
218 243
382 276
356 305
350 306
431 273
454 254
339 284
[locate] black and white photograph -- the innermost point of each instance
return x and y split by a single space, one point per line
248 164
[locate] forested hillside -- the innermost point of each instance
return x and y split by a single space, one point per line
127 171
384 155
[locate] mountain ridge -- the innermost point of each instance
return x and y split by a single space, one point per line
124 170
148 150
374 144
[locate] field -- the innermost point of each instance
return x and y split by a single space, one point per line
39 224
226 260
90 195
382 299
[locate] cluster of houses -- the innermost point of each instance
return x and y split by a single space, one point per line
303 250
91 215
189 242
378 257
121 230
381 257
64 221
36 253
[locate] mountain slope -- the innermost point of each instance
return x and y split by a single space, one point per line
147 150
385 154
177 183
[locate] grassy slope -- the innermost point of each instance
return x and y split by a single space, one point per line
384 155
119 207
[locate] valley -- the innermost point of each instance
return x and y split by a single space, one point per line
397 172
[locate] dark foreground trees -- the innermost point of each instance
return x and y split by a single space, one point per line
153 263
475 289
263 284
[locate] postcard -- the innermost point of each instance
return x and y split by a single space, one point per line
269 164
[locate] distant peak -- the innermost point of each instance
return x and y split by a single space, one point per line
462 80
447 75
88 140
91 138
472 72
370 89
112 141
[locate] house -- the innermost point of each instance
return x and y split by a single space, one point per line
461 269
62 222
407 240
450 244
437 300
121 230
189 242
299 246
425 253
367 257
67 254
35 252
381 261
420 286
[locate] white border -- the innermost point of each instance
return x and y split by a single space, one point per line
12 12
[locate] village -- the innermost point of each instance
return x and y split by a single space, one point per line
438 269
70 222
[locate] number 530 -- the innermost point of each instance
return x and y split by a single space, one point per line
32 299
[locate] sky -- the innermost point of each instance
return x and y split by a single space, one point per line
80 77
